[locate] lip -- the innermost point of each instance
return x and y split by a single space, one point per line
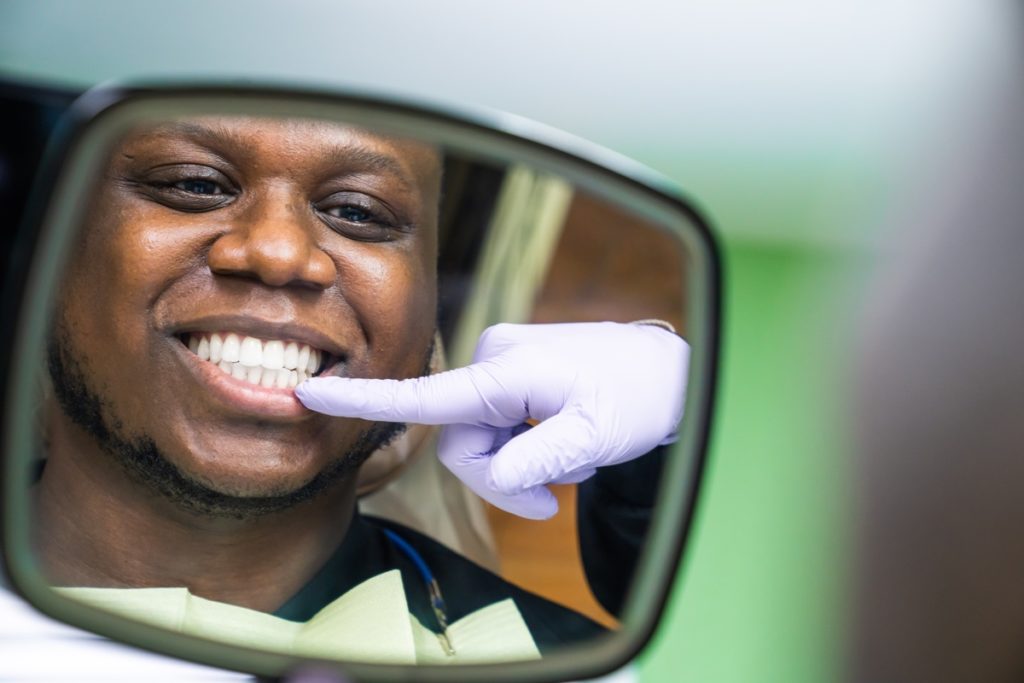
238 395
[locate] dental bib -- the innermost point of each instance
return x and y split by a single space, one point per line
370 623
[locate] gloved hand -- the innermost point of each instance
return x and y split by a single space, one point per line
603 393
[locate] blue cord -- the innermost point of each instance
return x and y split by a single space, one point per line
410 552
433 589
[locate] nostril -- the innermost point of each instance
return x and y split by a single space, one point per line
321 271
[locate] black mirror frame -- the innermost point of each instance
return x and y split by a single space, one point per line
42 243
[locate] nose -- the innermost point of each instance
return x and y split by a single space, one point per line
273 241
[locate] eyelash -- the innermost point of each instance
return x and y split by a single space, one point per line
178 186
175 194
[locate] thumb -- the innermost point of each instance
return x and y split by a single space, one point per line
466 451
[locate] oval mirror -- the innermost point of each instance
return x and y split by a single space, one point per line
202 252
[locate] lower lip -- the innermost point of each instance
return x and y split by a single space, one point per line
244 397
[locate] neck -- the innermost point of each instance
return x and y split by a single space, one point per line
96 526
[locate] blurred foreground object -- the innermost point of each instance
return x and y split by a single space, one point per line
938 594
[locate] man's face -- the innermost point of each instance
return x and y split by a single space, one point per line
307 245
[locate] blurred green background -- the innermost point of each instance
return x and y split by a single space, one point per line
800 127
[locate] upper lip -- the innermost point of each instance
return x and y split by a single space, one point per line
263 329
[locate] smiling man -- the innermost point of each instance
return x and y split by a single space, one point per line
219 253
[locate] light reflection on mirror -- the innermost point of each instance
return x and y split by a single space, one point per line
222 260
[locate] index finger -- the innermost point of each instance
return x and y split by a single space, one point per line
468 395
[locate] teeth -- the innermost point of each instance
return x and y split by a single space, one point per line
203 349
290 359
232 349
273 355
216 344
251 353
267 364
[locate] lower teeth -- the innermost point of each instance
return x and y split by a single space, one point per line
263 377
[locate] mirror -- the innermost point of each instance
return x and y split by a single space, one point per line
201 254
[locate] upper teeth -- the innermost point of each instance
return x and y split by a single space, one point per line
267 363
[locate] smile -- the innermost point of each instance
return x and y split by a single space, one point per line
268 363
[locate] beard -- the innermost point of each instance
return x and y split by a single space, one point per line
141 459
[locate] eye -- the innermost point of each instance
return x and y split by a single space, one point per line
187 187
359 216
199 186
350 212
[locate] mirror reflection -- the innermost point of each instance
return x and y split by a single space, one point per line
219 455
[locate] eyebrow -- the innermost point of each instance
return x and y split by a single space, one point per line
363 158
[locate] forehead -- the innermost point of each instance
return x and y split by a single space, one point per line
289 145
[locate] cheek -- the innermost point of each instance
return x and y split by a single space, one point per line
394 295
143 246
118 264
121 266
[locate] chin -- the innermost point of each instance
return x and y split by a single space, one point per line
251 485
241 483
246 473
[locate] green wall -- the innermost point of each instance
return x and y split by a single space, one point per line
759 597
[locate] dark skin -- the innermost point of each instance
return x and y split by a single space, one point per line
278 229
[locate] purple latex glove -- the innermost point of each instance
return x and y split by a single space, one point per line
604 393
